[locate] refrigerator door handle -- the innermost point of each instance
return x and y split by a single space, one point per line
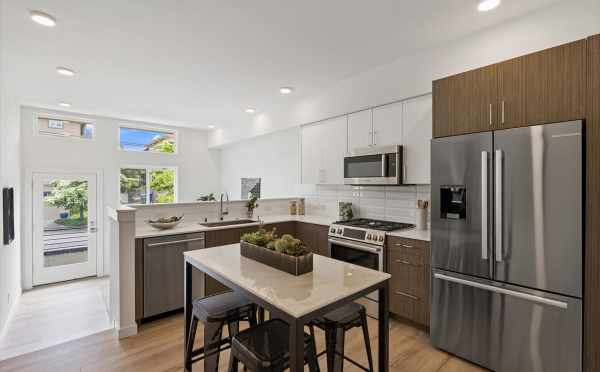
498 206
508 292
484 205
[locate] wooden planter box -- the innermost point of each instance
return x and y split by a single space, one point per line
290 264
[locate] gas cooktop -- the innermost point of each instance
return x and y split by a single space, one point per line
370 224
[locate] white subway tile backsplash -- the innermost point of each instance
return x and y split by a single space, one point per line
394 203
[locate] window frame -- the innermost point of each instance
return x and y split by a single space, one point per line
150 128
148 168
36 125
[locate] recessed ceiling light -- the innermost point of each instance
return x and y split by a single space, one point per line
210 126
486 5
42 18
65 71
64 104
250 110
285 90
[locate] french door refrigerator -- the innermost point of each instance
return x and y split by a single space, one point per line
507 246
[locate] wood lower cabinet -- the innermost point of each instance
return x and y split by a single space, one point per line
544 87
314 236
408 263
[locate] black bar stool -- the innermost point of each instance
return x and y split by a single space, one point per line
265 348
335 324
215 312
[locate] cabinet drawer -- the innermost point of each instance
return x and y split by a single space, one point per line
409 278
415 252
409 306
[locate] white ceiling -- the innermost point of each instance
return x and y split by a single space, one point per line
194 63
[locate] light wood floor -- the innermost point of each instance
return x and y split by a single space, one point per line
159 345
54 314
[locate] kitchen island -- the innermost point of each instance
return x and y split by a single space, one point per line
294 299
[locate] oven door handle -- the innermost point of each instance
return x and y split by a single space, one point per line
356 245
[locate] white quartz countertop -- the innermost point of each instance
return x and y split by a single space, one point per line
331 280
416 234
186 227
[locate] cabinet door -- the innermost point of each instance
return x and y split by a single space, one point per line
360 130
323 240
511 86
387 124
555 84
416 139
473 98
441 108
334 147
312 156
308 235
324 146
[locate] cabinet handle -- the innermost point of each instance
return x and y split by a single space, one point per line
400 293
152 245
404 262
503 112
403 245
491 115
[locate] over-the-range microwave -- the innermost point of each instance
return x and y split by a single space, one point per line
377 166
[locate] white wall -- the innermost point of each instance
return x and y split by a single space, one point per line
198 168
411 75
10 256
274 158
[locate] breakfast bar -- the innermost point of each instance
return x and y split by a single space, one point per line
294 299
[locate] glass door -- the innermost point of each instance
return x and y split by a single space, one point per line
64 227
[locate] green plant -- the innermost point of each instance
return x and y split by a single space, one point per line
261 237
162 181
252 202
290 246
70 195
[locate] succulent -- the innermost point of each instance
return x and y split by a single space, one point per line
290 246
261 237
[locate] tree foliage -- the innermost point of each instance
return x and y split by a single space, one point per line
163 184
70 195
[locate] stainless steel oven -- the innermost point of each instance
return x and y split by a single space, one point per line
362 254
374 166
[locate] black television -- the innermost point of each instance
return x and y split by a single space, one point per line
8 215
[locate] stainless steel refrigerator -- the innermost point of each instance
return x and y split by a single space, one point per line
507 247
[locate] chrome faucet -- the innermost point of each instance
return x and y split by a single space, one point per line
221 211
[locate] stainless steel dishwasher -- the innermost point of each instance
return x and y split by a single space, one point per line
163 272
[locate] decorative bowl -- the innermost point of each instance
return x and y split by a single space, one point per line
165 223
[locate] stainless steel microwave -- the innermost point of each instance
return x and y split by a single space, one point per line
374 166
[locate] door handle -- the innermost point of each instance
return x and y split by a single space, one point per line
93 229
504 291
484 205
498 207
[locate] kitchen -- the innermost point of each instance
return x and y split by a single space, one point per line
438 210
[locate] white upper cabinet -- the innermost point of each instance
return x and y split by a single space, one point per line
416 139
324 146
360 130
387 124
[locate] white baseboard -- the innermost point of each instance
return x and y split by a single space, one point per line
124 332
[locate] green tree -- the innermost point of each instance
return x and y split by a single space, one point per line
70 195
162 182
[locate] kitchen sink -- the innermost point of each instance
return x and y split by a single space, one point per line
227 223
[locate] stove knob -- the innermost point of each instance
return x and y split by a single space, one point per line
332 230
368 236
339 231
381 238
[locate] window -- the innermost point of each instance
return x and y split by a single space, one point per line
64 127
150 140
148 185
